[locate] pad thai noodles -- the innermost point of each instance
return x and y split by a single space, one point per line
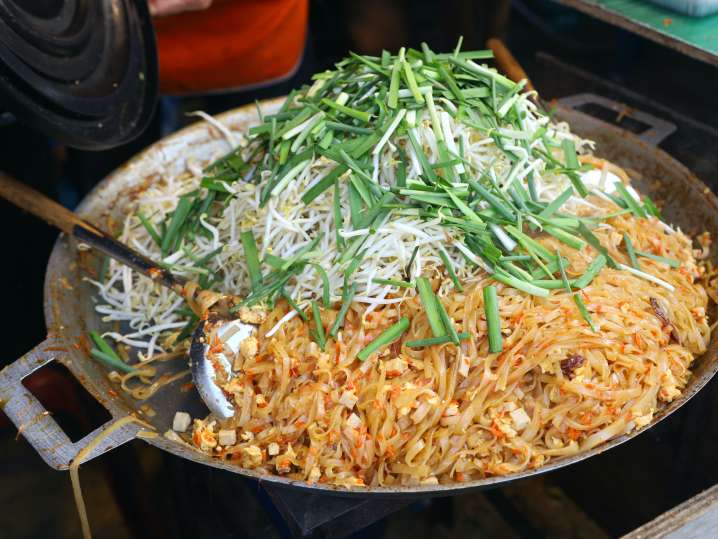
447 284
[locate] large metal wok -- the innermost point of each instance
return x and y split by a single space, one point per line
69 303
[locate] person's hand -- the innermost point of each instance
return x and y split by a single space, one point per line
159 8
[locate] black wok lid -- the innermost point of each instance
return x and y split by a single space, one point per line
82 71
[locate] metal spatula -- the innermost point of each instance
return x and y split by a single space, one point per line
219 321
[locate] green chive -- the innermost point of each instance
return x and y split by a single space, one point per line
105 353
556 203
651 208
392 282
493 321
338 218
325 285
392 100
512 281
594 268
385 338
318 326
419 151
294 305
463 208
593 241
354 113
565 237
176 222
450 269
584 311
347 297
564 278
631 251
631 202
431 341
411 82
429 300
150 229
324 184
493 201
448 323
338 126
252 258
111 362
664 260
407 270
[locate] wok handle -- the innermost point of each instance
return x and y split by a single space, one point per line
645 126
36 424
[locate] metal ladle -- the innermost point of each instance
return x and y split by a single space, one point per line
219 322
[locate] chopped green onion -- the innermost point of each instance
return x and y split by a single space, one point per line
252 258
385 338
324 184
450 269
549 284
631 202
631 252
493 201
463 208
111 362
593 241
527 287
392 100
354 113
493 321
594 268
556 203
407 270
651 208
347 297
176 222
392 282
338 126
569 151
562 269
150 229
325 285
664 260
584 311
107 355
411 82
294 305
448 323
318 326
429 300
565 237
431 341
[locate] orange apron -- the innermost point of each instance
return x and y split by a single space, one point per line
233 45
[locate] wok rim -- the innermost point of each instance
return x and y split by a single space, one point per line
117 409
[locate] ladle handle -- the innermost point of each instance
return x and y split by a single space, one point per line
48 210
508 63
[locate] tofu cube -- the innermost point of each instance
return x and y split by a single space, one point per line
227 437
181 422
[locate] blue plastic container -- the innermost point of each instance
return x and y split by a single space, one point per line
694 8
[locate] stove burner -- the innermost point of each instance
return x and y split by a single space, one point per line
82 71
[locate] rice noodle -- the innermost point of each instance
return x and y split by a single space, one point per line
443 413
